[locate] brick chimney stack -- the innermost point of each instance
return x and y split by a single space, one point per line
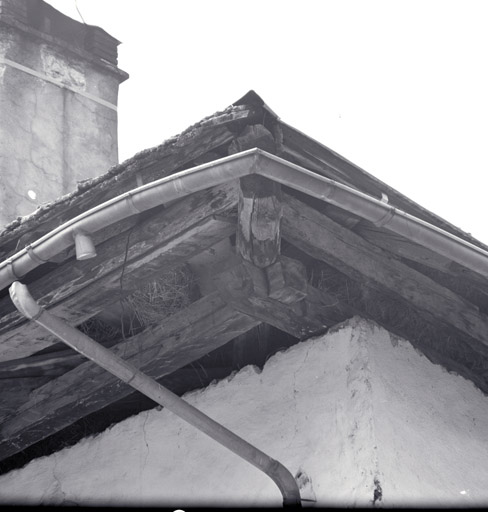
59 85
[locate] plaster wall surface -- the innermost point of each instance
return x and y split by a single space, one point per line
358 416
51 135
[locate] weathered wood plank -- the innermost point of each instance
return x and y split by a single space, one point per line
16 391
42 365
439 341
184 337
259 220
26 338
19 377
460 280
242 288
78 290
402 247
287 280
463 286
325 240
253 136
297 155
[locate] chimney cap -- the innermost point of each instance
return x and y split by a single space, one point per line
41 19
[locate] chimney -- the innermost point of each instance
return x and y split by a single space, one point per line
59 84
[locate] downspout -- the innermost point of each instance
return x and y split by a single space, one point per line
128 373
252 161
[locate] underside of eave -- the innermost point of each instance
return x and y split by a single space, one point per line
189 230
324 283
316 266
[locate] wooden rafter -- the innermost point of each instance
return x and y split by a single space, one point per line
259 225
182 338
325 240
166 239
246 288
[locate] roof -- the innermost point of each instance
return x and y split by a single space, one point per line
247 256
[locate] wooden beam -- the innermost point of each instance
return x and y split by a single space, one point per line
325 240
41 365
287 280
253 136
409 250
80 289
184 337
19 377
461 280
440 342
259 220
243 286
17 390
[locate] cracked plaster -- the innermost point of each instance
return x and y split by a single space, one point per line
357 415
50 137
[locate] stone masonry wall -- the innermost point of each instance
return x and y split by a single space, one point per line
57 110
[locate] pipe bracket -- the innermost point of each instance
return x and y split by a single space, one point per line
331 194
33 256
385 219
131 204
38 314
10 270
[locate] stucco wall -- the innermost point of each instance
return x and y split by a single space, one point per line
51 134
350 413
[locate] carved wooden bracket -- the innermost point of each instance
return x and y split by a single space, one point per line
287 280
288 302
259 221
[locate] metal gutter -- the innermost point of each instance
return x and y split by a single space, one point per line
377 211
129 374
252 161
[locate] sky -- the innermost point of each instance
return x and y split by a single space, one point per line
398 87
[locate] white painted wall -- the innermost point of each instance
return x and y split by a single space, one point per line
347 408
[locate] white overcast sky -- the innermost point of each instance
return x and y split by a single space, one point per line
400 88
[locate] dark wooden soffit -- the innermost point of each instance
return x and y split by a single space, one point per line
184 337
78 286
460 280
276 292
325 240
205 325
78 290
256 284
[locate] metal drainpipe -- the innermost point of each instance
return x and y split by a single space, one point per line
128 373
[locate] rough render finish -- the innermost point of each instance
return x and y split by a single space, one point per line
361 415
50 136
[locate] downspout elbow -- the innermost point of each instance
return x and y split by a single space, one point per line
286 484
24 301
